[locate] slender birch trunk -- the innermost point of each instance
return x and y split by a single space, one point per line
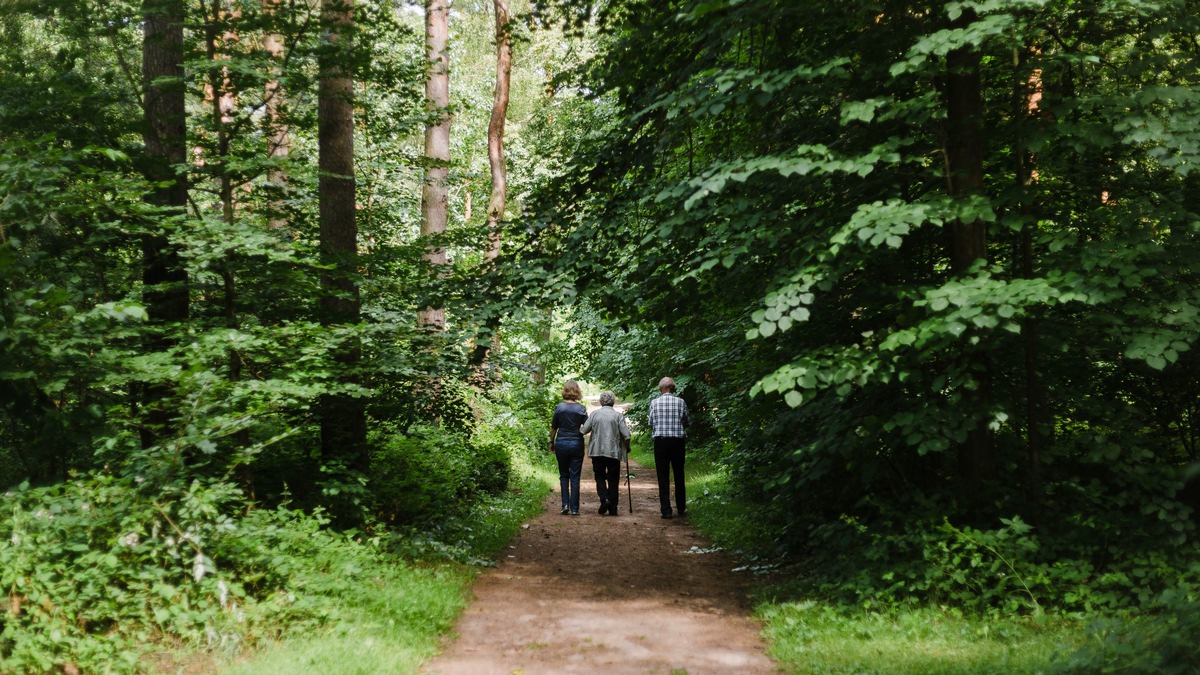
435 201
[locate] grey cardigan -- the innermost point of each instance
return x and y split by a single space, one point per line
608 428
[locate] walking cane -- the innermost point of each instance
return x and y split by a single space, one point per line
628 489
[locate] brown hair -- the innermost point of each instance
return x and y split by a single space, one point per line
571 391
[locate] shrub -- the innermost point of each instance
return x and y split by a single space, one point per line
110 574
1163 643
98 567
491 465
419 476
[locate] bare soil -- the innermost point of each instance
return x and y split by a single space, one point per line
601 594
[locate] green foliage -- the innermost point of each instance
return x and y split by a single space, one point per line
100 568
878 625
491 465
421 474
814 638
103 573
1163 642
1001 436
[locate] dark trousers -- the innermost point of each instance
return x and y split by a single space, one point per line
608 480
668 459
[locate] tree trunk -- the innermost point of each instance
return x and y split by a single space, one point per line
435 194
498 199
343 420
220 94
1037 403
279 145
968 240
964 154
164 277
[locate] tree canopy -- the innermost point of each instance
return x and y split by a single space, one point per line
915 262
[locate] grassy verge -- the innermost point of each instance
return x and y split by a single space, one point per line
810 635
392 620
387 624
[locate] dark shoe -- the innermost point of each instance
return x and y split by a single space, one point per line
612 510
667 516
683 513
603 508
574 513
565 511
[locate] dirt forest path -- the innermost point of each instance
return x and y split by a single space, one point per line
612 595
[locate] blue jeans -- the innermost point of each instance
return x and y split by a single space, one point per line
569 453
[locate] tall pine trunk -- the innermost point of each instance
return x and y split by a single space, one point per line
279 145
164 277
1037 399
968 239
343 419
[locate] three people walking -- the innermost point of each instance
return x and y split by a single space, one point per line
610 444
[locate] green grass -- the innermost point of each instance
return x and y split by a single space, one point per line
389 626
393 623
808 635
811 637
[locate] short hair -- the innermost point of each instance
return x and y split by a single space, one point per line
571 391
607 398
668 384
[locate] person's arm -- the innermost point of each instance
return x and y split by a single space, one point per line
624 435
683 417
553 429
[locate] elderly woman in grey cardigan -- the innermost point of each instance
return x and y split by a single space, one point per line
609 443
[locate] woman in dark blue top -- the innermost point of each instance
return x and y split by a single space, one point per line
567 444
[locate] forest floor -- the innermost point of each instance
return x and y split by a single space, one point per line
600 594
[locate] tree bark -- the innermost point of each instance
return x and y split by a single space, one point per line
1037 403
343 419
964 154
499 196
279 145
498 200
435 193
968 240
164 277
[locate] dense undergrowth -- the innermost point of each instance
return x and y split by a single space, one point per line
960 600
112 572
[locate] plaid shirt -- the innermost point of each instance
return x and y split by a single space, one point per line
668 417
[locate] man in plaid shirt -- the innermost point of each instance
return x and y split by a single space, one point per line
668 417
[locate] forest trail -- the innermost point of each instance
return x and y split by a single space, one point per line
601 594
